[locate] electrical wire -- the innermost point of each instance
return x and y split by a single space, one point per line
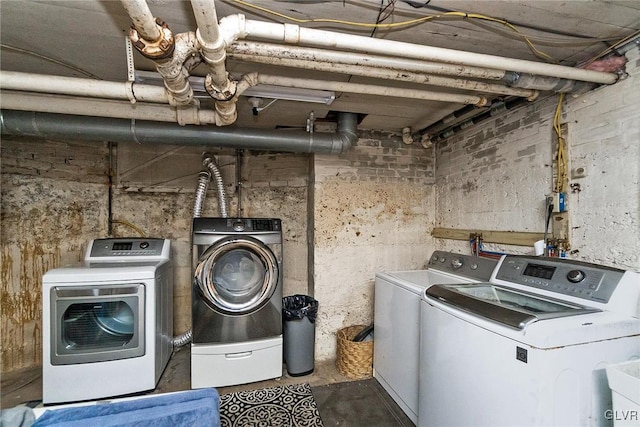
406 23
612 47
384 10
561 177
130 225
49 59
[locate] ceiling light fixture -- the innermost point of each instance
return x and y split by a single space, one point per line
259 91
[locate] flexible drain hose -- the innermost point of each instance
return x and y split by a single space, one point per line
208 161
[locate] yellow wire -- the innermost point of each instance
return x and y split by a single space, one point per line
462 15
562 160
128 224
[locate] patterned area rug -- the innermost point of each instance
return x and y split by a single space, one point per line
282 406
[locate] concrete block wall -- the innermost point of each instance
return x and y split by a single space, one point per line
373 214
604 139
495 176
47 218
275 186
373 208
55 199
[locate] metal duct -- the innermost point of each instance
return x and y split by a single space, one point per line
62 126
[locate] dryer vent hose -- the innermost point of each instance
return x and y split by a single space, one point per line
203 183
210 172
182 339
210 163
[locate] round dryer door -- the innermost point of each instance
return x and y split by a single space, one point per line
237 275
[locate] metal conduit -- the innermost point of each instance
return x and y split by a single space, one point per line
47 125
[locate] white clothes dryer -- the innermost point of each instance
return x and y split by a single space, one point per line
397 320
528 348
107 323
236 301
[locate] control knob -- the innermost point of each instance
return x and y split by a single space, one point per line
456 263
238 225
575 276
144 245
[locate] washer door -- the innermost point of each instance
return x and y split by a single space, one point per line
237 275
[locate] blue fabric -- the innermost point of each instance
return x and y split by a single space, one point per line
194 408
18 416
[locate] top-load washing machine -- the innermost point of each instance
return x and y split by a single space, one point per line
397 320
236 301
528 348
107 324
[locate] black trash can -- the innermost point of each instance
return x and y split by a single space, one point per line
299 317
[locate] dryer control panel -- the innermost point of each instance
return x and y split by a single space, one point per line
236 225
142 248
577 279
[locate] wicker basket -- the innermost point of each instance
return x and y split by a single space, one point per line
354 359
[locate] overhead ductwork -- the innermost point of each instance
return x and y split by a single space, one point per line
61 126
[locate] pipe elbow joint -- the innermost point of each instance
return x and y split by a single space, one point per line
482 101
347 134
232 28
161 48
406 136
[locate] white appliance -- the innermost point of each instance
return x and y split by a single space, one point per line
528 349
236 301
108 323
397 320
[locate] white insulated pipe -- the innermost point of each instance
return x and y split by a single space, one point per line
211 43
43 83
380 73
294 34
105 108
142 18
212 48
366 89
363 59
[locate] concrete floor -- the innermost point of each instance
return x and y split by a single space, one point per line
341 400
26 385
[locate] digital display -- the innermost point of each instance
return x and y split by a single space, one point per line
262 225
122 246
541 271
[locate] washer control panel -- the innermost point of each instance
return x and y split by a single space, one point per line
469 266
578 279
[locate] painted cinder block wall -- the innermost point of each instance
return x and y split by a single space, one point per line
373 209
55 199
495 176
348 216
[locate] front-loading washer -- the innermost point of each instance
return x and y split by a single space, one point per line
107 324
236 301
397 320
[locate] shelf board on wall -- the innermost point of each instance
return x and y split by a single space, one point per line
517 238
